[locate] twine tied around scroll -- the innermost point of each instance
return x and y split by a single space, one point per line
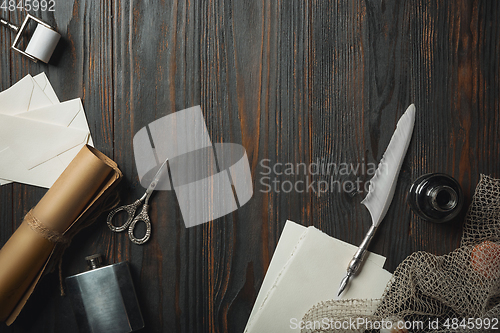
63 240
47 233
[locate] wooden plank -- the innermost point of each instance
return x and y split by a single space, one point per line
157 73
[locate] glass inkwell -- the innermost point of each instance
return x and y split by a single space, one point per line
436 197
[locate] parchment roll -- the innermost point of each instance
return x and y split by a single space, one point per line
24 257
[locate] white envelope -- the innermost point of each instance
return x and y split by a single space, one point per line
29 93
44 84
39 159
35 142
24 96
43 171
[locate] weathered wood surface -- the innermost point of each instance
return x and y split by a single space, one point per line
293 82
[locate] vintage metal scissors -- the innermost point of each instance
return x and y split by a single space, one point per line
142 216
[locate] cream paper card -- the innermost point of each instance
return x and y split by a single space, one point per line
306 268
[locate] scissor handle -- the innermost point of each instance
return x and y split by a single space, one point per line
129 209
142 217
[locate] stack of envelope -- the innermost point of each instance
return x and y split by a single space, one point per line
39 135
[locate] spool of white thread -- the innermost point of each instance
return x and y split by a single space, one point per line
42 43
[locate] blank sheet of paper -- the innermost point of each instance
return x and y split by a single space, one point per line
306 269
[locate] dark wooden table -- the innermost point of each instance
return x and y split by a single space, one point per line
293 82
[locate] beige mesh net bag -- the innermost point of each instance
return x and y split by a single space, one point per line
457 292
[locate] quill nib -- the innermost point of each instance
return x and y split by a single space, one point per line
343 284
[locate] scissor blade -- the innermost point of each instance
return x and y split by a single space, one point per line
157 177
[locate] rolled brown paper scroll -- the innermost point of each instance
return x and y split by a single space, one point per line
25 256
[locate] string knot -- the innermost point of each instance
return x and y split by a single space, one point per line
51 235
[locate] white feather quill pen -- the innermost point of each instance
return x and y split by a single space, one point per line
383 183
382 186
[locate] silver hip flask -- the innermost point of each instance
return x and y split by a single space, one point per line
104 299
